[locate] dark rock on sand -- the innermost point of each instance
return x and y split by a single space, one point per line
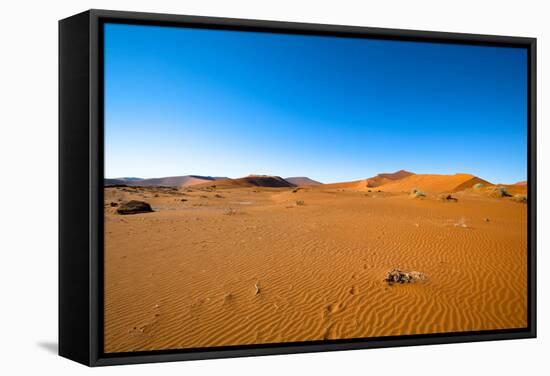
134 207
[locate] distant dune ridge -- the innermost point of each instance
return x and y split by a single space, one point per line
119 181
399 181
384 178
372 182
396 175
130 179
405 181
266 181
434 183
302 181
171 181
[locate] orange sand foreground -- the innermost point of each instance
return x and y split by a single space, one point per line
238 265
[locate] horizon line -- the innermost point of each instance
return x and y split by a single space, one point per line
305 176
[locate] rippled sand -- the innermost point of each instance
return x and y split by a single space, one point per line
253 266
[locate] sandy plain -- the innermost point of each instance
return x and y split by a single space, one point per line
235 264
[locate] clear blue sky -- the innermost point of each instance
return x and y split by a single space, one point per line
227 103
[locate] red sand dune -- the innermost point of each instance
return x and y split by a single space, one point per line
356 184
517 189
434 183
396 175
384 178
375 181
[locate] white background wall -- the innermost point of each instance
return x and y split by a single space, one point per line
28 189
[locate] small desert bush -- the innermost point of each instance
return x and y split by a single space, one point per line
447 198
229 211
478 186
399 276
416 193
300 203
501 192
461 223
520 198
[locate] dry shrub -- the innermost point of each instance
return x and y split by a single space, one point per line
417 193
520 198
229 211
500 191
399 276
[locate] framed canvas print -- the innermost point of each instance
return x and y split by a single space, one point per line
238 187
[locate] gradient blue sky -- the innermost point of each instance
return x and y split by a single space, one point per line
227 103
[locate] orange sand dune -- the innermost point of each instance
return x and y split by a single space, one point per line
384 178
395 175
433 183
517 189
255 265
375 181
356 184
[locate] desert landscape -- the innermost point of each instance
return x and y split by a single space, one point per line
198 261
266 188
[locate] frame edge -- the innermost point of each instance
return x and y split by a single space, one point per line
74 251
94 356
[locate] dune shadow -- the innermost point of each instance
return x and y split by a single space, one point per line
50 347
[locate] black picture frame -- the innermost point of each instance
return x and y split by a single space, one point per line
81 165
